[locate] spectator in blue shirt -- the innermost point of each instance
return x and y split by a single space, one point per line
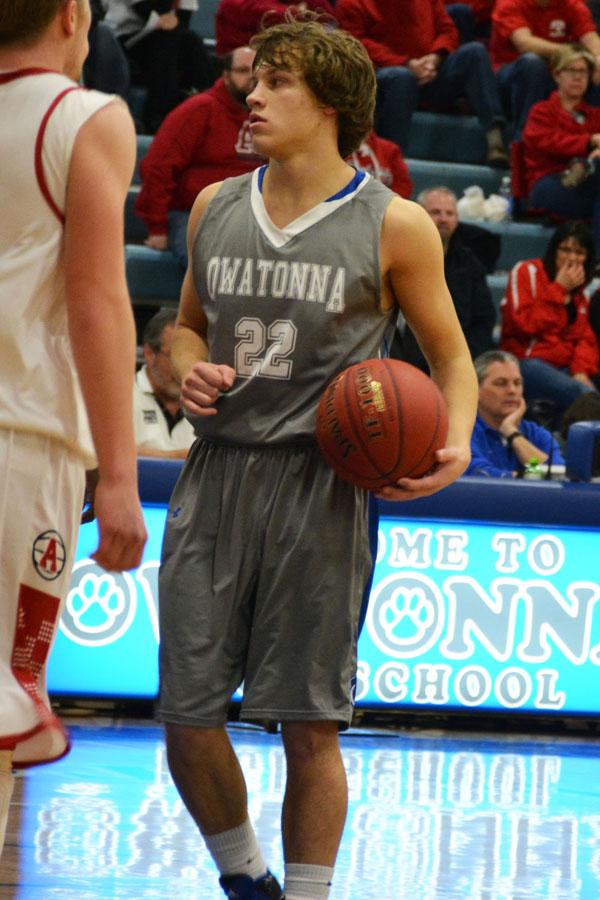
503 442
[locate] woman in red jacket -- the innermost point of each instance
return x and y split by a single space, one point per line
545 319
561 143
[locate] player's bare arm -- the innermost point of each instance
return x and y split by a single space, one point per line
413 276
201 381
101 325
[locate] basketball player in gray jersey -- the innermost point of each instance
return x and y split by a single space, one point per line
295 273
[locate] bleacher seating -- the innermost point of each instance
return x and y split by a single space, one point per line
452 138
152 276
427 173
143 143
520 240
203 20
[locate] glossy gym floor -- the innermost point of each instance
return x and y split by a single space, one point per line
434 815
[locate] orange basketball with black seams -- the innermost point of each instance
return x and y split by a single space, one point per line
381 420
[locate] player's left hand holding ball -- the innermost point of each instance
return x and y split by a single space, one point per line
203 385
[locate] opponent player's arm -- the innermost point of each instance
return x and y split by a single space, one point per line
101 325
413 267
201 381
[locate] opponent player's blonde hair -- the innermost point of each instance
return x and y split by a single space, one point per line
24 21
334 64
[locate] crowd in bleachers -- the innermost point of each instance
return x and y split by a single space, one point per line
467 92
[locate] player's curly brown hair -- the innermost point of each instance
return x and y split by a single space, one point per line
23 21
333 63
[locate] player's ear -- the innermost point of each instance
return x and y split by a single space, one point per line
69 15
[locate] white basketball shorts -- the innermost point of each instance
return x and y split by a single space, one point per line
41 496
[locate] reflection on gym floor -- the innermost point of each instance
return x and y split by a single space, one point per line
433 816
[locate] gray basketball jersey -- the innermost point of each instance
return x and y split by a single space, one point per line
287 308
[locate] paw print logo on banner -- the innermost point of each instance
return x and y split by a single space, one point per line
100 606
405 615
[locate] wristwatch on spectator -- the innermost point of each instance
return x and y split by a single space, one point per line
511 437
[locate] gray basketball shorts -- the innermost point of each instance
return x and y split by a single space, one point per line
265 560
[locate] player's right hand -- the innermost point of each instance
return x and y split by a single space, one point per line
121 526
203 385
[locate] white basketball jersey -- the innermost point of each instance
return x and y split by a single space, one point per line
39 389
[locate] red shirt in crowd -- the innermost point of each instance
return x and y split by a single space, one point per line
384 161
237 20
561 21
535 321
394 32
203 140
553 136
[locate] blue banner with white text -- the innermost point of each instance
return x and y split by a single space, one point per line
462 615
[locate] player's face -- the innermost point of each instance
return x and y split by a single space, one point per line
285 115
442 209
501 391
81 19
160 369
240 78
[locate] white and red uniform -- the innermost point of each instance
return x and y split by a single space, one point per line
45 443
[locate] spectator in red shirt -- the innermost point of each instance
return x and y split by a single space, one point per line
414 47
526 35
562 134
384 161
205 139
545 319
237 20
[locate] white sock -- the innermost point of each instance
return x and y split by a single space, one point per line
236 852
6 788
304 882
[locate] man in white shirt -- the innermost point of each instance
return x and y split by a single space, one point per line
160 427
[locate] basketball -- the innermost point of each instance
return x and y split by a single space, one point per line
381 420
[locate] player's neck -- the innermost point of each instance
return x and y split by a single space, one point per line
294 186
42 56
